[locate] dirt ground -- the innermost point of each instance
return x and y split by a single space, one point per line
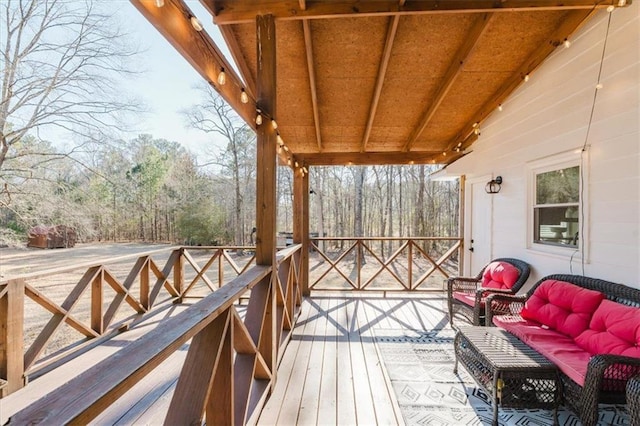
15 262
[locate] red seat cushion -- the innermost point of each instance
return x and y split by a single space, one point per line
571 359
614 329
466 298
562 306
500 275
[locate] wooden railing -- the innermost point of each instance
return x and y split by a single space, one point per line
99 300
383 263
230 365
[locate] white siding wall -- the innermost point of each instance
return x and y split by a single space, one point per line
549 115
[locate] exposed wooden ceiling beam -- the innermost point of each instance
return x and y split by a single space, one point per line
308 44
234 12
240 60
370 158
382 72
173 22
456 67
303 4
567 27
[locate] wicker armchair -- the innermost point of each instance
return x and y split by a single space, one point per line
465 295
607 375
633 401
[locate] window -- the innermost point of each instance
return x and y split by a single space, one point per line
556 208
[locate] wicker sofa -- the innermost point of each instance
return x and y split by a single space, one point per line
633 400
589 328
466 295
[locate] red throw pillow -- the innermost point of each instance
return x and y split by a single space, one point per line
500 275
614 329
562 306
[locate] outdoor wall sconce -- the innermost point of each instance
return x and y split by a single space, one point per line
493 186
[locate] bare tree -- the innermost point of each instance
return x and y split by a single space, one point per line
214 115
59 71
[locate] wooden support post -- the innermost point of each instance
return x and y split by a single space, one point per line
266 180
97 323
301 226
220 268
410 264
11 337
220 404
266 134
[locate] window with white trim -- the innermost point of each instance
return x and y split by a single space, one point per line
556 208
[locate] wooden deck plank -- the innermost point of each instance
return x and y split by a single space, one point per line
274 405
365 410
308 413
346 413
328 399
385 402
293 397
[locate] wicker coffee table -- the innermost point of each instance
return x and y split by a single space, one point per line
511 372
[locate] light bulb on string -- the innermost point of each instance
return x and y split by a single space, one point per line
244 98
611 8
196 24
222 77
285 148
279 139
622 3
274 124
297 165
500 107
566 43
526 78
159 3
289 161
599 86
259 118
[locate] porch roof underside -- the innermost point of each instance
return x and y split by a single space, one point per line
377 82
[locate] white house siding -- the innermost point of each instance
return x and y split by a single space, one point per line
549 115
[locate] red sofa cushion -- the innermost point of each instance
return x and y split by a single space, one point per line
571 359
500 275
562 306
614 329
466 298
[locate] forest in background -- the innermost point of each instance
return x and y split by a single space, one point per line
61 66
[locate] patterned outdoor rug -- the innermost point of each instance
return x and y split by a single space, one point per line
420 368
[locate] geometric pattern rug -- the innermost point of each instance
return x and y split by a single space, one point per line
420 368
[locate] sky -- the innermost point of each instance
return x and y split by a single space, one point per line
168 80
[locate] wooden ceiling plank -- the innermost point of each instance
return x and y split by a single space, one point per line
370 158
233 11
568 26
172 21
382 72
456 67
312 80
303 4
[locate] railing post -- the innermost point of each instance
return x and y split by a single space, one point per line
144 285
410 264
178 272
11 337
359 262
97 323
220 267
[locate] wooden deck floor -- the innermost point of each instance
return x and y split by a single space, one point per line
330 373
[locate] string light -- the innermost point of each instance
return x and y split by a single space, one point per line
444 153
304 169
474 125
244 98
274 124
599 86
289 161
196 24
477 131
279 139
297 165
611 8
622 3
159 3
258 117
567 43
222 78
526 78
285 148
500 107
279 150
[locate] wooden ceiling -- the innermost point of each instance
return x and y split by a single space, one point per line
379 82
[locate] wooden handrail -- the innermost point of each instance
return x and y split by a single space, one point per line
87 395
